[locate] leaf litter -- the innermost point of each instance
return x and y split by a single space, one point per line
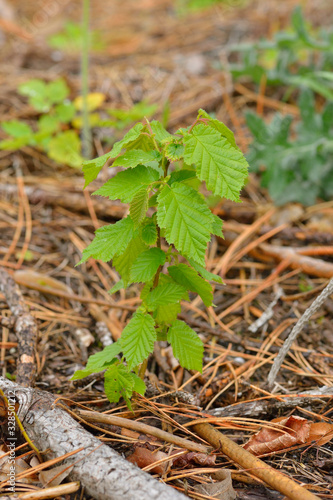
43 210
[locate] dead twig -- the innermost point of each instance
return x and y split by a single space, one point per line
93 416
253 464
52 492
297 260
270 406
328 290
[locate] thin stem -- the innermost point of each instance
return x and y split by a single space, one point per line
152 135
165 165
86 130
158 272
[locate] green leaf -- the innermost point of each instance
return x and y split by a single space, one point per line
149 231
139 385
258 127
133 138
168 293
65 112
204 273
14 144
219 164
189 278
36 90
116 287
57 91
181 176
32 88
48 124
109 241
118 382
139 206
135 113
187 220
167 314
135 157
174 151
146 265
159 131
92 168
217 226
220 127
153 200
123 263
126 184
96 362
186 345
138 338
16 128
65 148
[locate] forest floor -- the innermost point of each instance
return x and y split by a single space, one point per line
274 260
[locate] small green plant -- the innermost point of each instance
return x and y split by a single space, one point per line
163 240
52 133
299 168
57 131
294 58
184 6
70 39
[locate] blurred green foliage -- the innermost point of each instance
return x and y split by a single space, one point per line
70 39
298 57
57 130
294 167
293 157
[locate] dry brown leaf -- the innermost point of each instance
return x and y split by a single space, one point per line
321 432
295 431
54 476
31 278
143 457
222 489
193 457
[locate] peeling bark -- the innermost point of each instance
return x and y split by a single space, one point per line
104 474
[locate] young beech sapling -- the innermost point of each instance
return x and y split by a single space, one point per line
163 240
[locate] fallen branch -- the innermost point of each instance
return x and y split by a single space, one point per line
257 467
103 473
269 407
25 328
309 265
54 195
94 416
328 290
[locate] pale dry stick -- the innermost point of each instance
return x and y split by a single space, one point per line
28 220
306 264
69 296
328 290
93 416
19 227
52 492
